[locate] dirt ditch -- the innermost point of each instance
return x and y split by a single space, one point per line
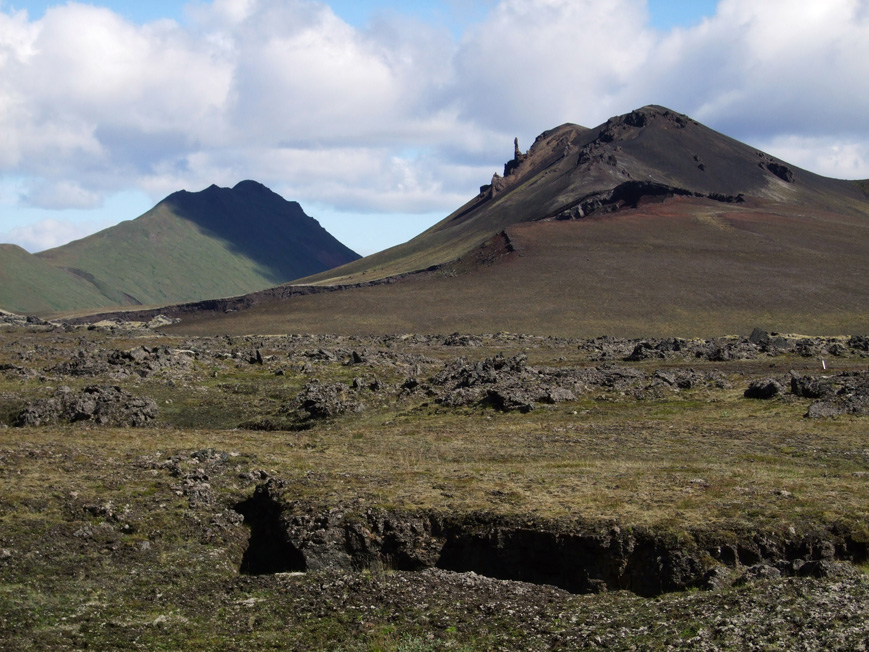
577 556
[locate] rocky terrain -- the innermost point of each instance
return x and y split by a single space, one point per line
429 492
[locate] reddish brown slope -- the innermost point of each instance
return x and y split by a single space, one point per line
571 172
683 266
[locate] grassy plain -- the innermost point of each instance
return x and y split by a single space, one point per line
105 545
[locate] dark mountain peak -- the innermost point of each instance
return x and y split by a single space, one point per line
653 151
262 226
214 198
206 206
625 126
250 186
249 190
246 187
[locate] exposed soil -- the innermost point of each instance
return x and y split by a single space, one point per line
577 556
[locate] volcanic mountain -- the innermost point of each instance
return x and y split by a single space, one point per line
649 224
190 246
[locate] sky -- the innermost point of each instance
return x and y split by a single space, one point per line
380 117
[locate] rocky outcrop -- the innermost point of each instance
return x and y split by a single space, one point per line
323 401
142 361
834 395
759 343
763 389
840 394
24 321
629 195
101 405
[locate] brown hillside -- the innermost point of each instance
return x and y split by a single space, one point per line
684 266
572 172
650 224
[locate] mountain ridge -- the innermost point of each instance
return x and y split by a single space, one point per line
588 165
190 246
648 224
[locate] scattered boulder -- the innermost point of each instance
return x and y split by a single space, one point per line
502 383
812 387
859 342
102 405
764 389
508 399
759 336
762 571
821 568
661 349
841 394
162 320
456 339
324 401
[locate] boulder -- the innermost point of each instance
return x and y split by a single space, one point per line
103 405
324 401
764 389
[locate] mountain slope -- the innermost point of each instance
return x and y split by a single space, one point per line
650 224
28 284
572 171
190 246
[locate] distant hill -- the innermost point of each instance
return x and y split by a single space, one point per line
190 246
29 284
649 224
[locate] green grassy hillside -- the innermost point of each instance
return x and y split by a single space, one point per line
30 285
191 246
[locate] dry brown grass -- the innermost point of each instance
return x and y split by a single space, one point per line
679 463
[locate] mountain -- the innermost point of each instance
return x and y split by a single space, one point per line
27 281
190 246
572 172
650 224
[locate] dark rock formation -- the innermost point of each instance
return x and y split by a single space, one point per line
518 157
783 172
102 405
764 388
839 394
324 401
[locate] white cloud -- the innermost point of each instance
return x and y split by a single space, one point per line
61 195
49 233
776 67
545 62
400 116
828 156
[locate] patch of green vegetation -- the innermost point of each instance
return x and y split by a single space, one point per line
30 285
